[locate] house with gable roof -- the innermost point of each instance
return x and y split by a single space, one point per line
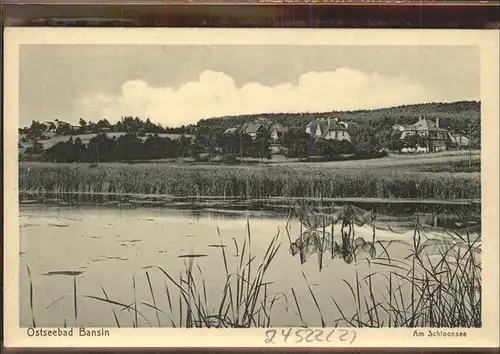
329 129
252 129
426 129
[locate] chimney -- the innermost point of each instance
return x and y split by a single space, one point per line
437 122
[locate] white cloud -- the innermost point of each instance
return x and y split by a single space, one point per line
215 94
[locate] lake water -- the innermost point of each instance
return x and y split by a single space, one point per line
110 247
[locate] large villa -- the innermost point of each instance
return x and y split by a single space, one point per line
428 129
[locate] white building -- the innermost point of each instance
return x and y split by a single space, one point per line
330 129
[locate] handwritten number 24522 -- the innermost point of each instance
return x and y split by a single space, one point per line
309 336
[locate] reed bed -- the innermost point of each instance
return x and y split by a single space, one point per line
442 290
246 182
420 291
244 300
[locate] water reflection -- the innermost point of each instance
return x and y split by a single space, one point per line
317 232
315 239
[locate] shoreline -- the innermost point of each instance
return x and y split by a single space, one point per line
171 198
436 213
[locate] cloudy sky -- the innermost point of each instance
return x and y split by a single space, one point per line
175 85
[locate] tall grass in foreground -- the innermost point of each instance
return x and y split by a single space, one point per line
74 297
244 300
246 182
421 290
31 298
443 289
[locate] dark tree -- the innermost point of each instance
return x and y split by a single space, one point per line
262 144
82 123
297 142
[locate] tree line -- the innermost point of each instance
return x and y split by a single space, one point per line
295 143
128 147
131 147
371 131
39 130
208 144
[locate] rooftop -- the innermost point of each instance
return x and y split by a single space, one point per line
252 128
425 125
325 126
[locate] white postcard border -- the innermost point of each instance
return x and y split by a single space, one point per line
488 42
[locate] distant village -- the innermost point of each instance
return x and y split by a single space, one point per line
433 137
423 136
329 129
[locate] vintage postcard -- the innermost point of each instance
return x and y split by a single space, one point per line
251 187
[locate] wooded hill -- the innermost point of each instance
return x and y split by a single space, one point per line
372 128
454 114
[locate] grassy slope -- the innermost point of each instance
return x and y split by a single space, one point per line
403 162
54 139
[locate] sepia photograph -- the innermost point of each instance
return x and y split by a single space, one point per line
219 184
